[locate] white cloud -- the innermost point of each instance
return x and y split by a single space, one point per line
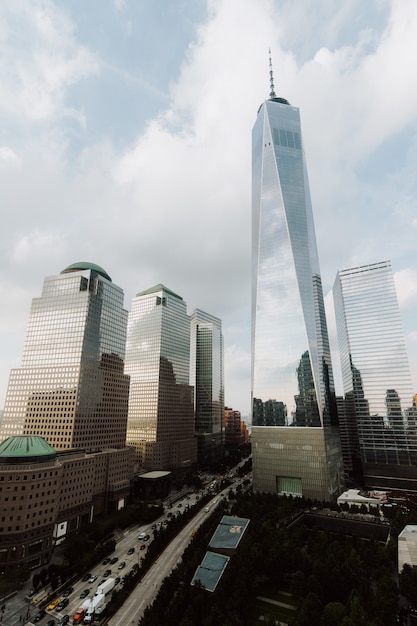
174 205
7 155
39 59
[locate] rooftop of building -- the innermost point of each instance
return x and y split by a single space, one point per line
210 570
157 289
228 533
25 449
85 265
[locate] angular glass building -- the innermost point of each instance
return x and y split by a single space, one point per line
161 409
376 375
296 445
71 388
207 379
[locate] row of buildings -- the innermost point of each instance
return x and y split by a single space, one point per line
305 440
102 396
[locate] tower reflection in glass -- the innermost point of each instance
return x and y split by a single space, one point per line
292 380
376 374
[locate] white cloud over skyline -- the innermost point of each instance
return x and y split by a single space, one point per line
126 141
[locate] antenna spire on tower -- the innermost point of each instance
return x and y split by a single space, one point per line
271 77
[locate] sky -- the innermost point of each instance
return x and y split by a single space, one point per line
125 141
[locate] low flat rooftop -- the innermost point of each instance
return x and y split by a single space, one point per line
211 569
228 533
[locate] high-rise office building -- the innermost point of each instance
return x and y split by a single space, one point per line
161 410
207 379
295 439
71 388
376 375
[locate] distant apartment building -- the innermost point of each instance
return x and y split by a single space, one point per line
207 380
161 404
236 433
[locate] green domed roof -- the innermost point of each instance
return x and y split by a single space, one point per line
85 265
16 450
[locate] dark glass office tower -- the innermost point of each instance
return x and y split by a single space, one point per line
207 379
296 444
376 375
71 388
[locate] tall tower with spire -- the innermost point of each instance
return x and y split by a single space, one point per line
291 365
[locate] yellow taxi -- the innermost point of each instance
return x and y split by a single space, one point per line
54 604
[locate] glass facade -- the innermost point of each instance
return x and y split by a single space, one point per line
161 413
375 369
292 379
207 379
71 389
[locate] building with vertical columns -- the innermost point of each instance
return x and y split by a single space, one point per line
379 399
295 438
161 405
207 379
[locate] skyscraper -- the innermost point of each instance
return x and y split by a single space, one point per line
161 411
71 388
296 445
376 374
206 377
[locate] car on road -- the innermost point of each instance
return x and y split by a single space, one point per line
107 573
114 560
143 547
63 604
131 550
68 592
84 594
92 578
106 561
39 615
86 577
63 620
117 580
142 536
50 622
54 604
122 565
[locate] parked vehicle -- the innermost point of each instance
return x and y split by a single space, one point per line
68 592
39 615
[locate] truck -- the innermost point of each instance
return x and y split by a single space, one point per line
106 587
96 606
80 612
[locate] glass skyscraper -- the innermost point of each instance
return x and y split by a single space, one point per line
161 411
71 388
207 379
296 443
376 374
